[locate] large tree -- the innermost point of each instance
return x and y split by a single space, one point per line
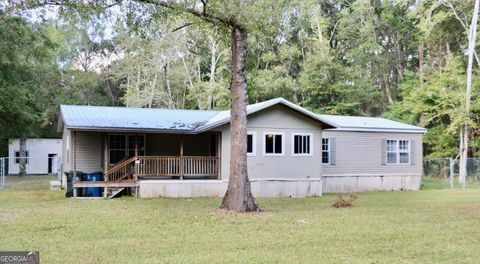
24 76
231 16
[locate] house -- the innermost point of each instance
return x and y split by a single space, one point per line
42 155
186 153
371 154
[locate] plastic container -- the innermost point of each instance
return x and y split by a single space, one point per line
94 191
80 177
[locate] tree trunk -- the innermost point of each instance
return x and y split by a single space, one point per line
239 196
465 137
22 167
421 47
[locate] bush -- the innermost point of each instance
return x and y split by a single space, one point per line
344 200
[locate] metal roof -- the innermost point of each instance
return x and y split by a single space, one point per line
372 124
159 120
127 118
196 121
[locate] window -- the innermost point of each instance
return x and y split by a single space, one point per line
251 144
302 144
121 146
17 157
273 145
398 151
325 151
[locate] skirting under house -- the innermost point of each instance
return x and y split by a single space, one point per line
369 183
295 188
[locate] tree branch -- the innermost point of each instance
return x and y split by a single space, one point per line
464 25
182 26
202 14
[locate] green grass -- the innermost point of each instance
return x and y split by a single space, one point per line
428 226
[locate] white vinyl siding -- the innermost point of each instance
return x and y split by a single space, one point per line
302 144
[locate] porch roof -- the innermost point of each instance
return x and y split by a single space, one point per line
105 118
133 119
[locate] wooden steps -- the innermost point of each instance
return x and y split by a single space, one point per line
114 191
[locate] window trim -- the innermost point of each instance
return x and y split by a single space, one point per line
283 144
254 144
311 148
328 151
17 159
397 152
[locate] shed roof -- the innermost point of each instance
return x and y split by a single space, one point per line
372 124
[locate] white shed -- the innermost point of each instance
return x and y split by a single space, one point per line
43 155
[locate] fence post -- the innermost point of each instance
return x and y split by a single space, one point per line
451 173
2 173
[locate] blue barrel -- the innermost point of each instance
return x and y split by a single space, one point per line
94 191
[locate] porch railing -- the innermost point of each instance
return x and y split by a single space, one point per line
177 166
121 170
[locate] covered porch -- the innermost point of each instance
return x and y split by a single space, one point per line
127 158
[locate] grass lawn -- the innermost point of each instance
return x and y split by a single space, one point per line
428 226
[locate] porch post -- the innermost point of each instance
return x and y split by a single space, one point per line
181 157
74 160
219 155
136 145
105 163
105 156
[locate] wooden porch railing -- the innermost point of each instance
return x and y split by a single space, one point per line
177 166
121 170
200 166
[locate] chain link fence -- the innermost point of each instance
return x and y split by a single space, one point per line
2 173
446 169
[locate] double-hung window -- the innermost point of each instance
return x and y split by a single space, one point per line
398 151
325 150
302 144
274 144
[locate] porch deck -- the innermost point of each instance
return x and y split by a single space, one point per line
167 158
164 167
127 172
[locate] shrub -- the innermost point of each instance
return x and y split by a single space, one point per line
344 200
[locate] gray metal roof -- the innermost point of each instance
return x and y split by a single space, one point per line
373 124
127 118
159 120
197 121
